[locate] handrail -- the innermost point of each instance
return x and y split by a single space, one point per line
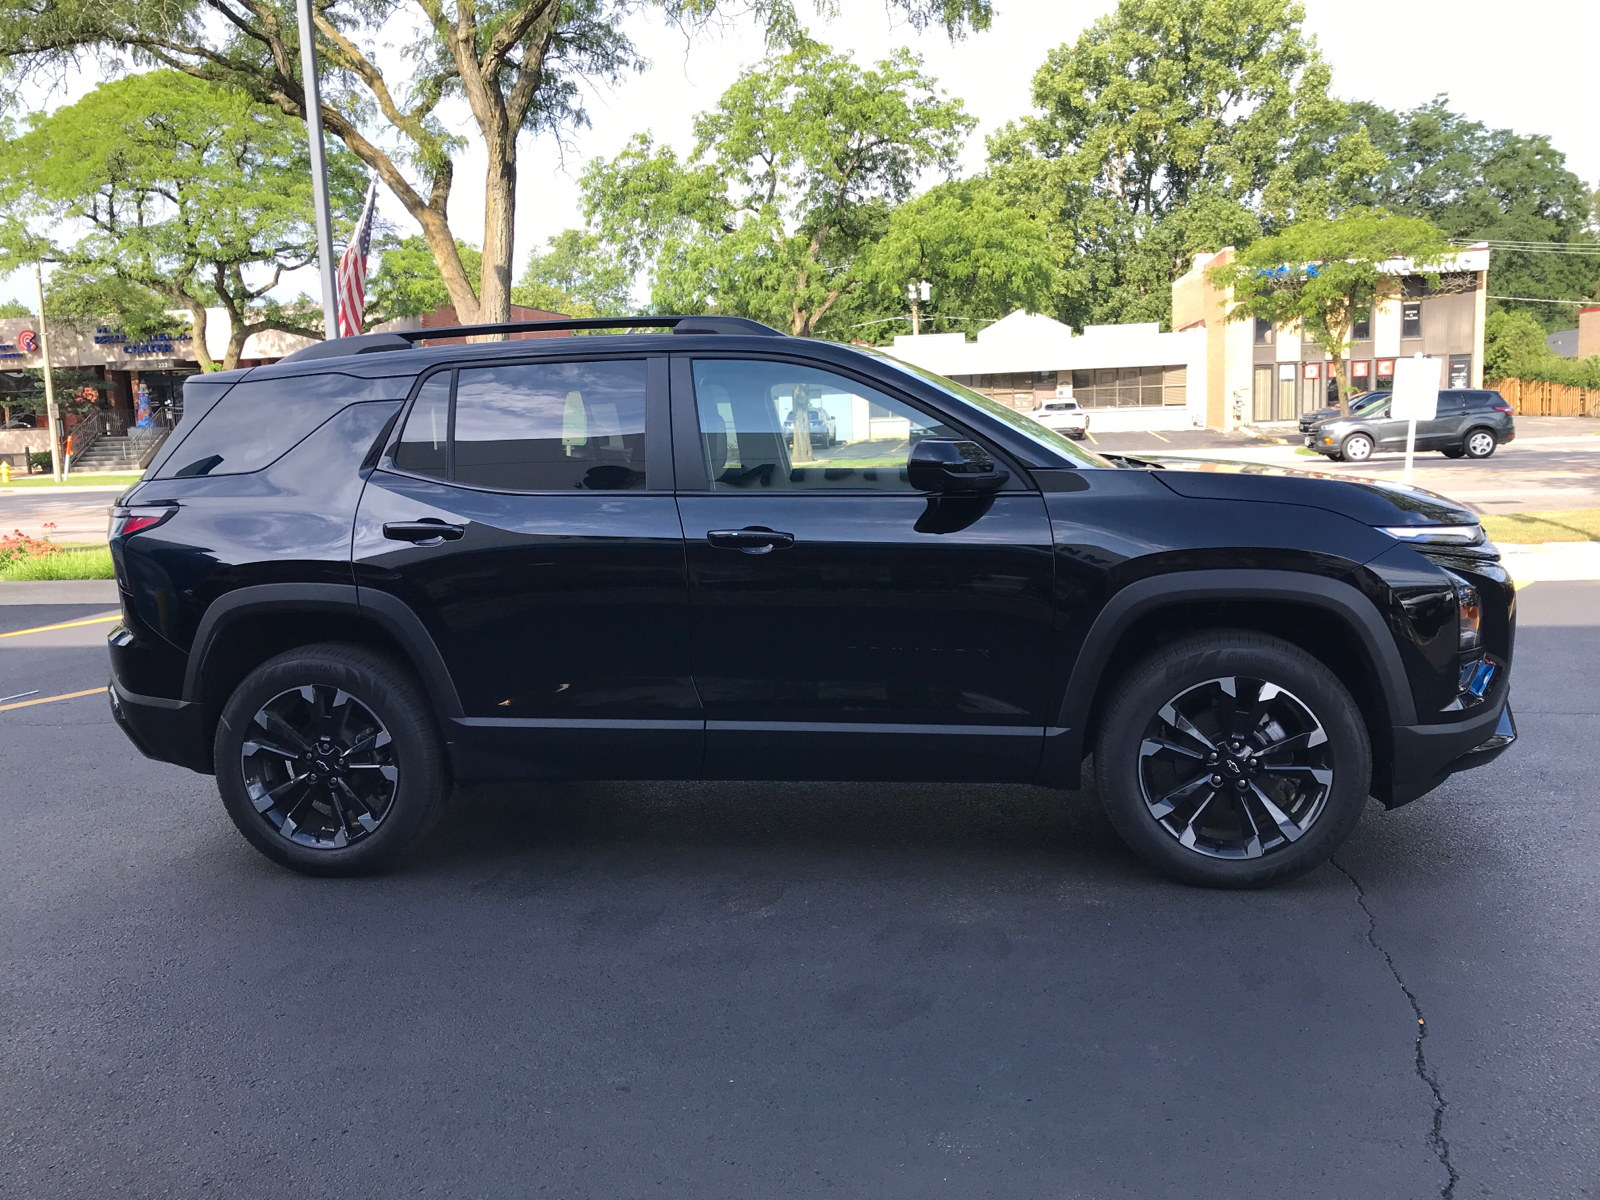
84 434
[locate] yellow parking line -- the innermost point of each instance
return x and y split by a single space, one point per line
1153 433
1091 437
51 699
63 625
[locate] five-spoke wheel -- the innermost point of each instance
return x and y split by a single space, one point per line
319 766
1235 767
329 760
1232 759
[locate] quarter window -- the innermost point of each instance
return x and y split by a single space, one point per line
775 426
423 445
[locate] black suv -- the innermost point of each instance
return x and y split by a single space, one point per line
1470 423
374 569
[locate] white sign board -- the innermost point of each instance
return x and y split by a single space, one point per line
1416 389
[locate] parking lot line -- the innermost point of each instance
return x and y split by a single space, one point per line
51 699
63 625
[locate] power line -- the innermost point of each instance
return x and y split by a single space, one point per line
1578 249
1540 300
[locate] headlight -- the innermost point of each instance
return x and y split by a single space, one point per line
1437 535
1469 608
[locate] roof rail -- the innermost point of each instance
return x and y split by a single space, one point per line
403 339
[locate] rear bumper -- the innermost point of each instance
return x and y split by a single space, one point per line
162 729
1426 755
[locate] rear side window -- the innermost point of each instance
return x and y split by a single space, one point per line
532 427
257 422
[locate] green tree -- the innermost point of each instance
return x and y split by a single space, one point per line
578 276
982 257
186 194
1480 183
517 64
10 308
1172 126
407 282
776 212
1324 274
1514 347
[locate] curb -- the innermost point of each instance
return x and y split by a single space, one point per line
60 591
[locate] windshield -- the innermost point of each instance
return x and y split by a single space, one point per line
1368 401
1019 421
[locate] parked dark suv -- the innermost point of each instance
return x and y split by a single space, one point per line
371 570
1470 422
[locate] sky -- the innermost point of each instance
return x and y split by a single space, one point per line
1532 72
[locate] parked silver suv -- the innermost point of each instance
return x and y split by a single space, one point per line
1470 423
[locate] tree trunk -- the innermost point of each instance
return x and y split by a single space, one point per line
197 334
236 337
499 220
1341 372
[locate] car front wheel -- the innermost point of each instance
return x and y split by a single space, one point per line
329 760
1233 759
1479 443
1356 448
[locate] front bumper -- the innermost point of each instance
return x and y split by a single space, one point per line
1426 755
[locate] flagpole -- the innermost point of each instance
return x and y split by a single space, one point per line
319 169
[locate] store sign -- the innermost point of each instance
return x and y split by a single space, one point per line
1313 370
1360 370
28 341
163 343
1385 367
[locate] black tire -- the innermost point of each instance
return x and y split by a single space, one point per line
1478 443
1182 674
293 690
1358 447
1454 451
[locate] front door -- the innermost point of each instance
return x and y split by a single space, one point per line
846 626
556 589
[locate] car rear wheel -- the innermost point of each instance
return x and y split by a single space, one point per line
329 760
1232 759
1356 448
1479 443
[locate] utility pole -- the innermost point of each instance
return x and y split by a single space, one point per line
319 169
916 292
52 418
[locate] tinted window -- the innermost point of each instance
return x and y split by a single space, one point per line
1410 320
551 426
423 444
256 422
752 442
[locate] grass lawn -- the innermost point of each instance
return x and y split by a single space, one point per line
1571 525
76 479
93 562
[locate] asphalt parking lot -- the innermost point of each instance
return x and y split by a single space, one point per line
755 990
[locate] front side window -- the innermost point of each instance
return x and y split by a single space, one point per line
776 426
532 427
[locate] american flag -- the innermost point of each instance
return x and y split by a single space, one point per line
352 280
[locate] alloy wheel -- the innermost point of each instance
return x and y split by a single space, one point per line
1235 767
1357 447
1480 444
319 766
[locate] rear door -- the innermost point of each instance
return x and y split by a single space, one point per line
846 626
555 587
1445 428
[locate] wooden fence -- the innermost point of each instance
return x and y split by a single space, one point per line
1537 398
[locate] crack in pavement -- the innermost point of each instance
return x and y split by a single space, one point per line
1437 1142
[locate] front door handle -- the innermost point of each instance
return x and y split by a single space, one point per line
425 531
753 539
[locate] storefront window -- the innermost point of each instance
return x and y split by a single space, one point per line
1411 319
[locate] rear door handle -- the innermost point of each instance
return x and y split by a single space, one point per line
753 539
423 531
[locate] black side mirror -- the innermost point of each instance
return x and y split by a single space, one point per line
953 468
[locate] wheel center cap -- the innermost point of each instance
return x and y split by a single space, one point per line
1233 767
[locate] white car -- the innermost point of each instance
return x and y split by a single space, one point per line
1064 416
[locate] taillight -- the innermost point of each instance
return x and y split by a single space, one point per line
1503 407
125 522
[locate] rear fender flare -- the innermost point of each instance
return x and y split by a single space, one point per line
385 611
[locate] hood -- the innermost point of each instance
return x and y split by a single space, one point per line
1370 501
